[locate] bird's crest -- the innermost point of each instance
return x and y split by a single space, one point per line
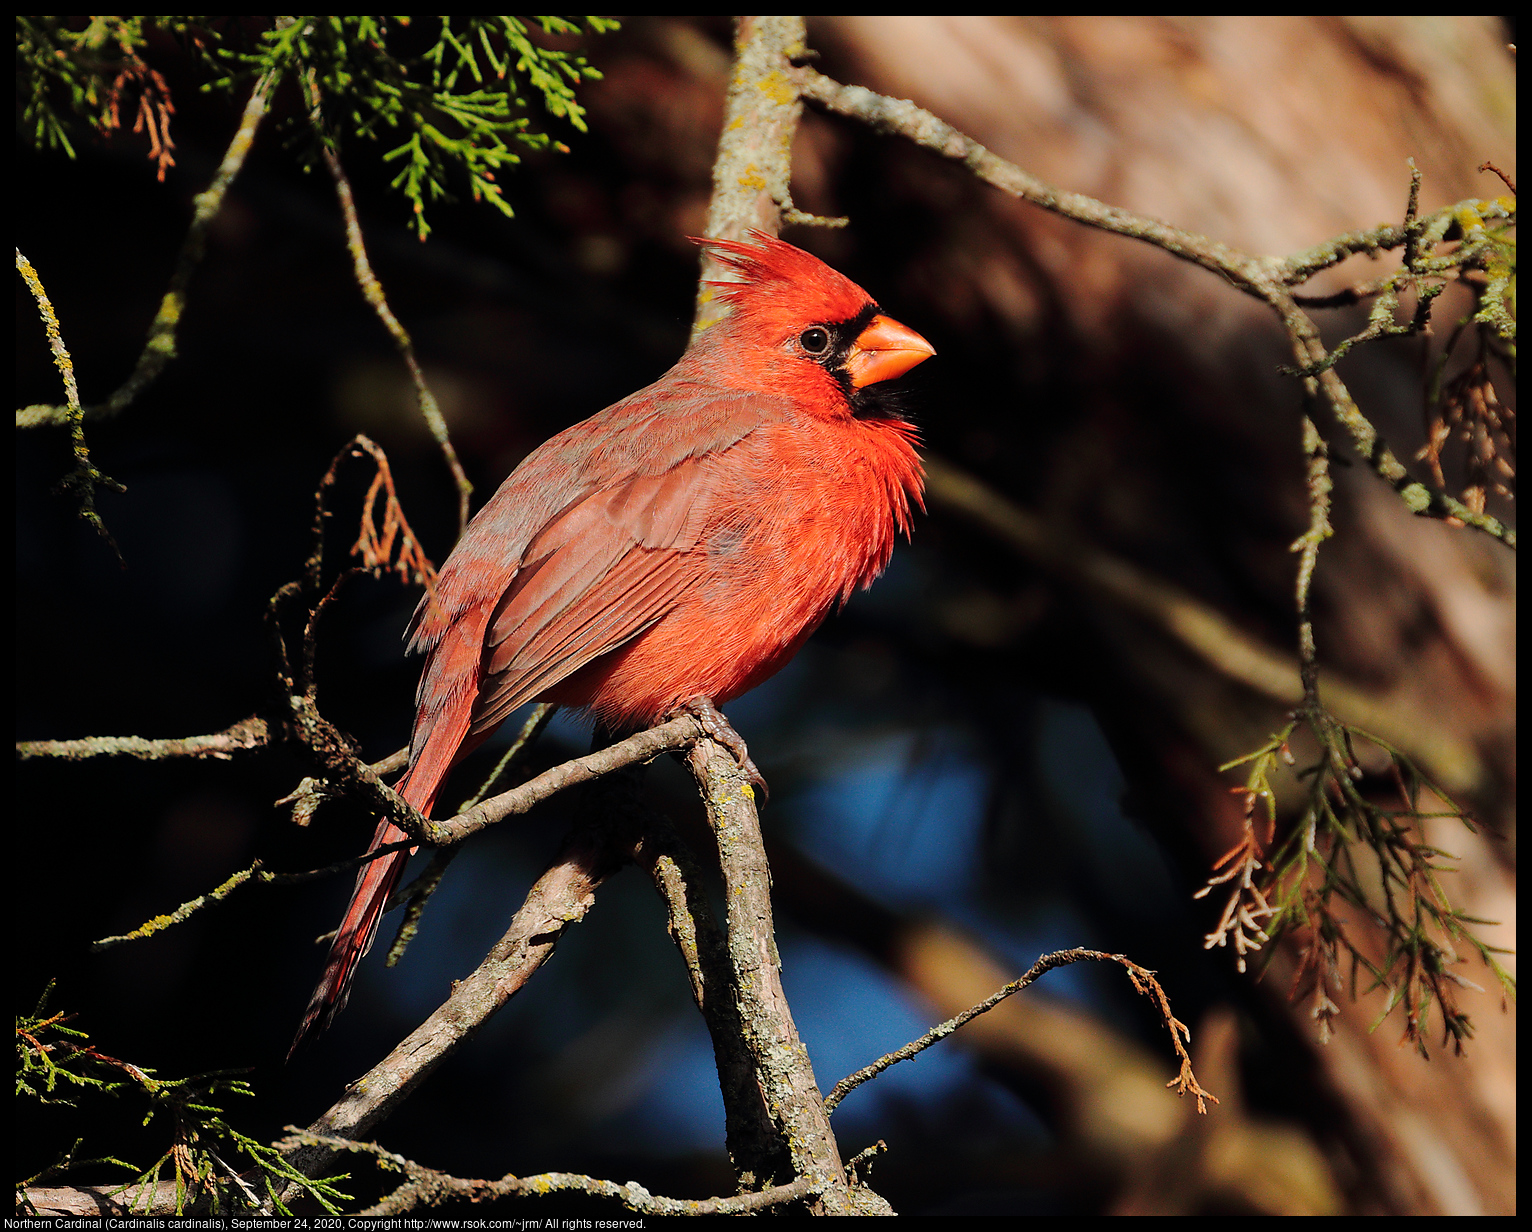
767 264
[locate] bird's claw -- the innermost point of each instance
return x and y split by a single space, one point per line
717 726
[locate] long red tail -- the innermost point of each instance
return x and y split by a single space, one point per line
359 928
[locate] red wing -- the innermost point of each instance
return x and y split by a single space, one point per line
599 575
646 439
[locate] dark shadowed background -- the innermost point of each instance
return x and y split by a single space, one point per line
971 765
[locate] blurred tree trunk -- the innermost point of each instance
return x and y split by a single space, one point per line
1137 401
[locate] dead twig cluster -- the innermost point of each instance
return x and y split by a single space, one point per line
1352 848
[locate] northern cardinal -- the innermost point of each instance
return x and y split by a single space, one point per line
672 551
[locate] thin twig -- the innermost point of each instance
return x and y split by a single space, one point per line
1419 499
254 873
244 736
542 714
1504 177
160 348
903 118
1319 485
1346 297
372 291
673 734
1143 981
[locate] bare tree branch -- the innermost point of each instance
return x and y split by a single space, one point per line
560 897
673 734
372 292
754 162
1266 278
427 1187
633 751
241 737
781 1061
1143 980
754 1147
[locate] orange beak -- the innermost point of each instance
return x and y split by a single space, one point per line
884 350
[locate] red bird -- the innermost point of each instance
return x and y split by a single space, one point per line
672 551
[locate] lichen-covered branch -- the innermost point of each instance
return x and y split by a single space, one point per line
1317 454
755 1149
242 737
85 478
426 1187
1269 279
903 118
781 1062
1311 355
255 872
754 162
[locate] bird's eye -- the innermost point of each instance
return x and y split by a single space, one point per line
815 341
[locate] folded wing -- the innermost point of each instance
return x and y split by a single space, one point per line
597 576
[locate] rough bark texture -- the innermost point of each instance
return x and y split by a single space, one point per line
783 1069
754 163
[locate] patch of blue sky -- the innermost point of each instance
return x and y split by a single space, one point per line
903 823
848 1013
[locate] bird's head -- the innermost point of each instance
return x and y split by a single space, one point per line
800 328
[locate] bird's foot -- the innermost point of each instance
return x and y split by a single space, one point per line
717 726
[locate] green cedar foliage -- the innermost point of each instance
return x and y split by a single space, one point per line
444 97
